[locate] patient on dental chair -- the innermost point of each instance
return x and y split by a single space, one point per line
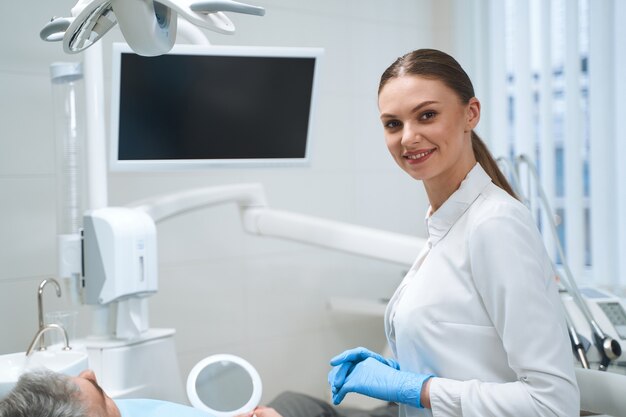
45 393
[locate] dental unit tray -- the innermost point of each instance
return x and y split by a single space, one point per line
609 312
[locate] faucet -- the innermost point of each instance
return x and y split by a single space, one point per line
42 344
39 335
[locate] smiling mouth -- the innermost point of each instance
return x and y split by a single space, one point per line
419 155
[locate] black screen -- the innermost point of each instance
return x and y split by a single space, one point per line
214 107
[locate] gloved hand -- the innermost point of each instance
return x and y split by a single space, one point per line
359 354
347 360
375 379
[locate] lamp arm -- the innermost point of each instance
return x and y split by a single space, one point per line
259 219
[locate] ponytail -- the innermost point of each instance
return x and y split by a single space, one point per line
484 158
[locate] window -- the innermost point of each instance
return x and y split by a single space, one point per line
554 94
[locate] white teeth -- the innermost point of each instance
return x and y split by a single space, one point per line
419 155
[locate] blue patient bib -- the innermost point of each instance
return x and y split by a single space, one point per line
156 408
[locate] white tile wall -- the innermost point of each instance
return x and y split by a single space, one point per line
27 139
222 290
28 226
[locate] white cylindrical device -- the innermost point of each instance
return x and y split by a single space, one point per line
68 95
69 127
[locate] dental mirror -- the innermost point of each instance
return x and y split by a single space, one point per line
224 386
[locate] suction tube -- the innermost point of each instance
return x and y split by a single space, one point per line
608 347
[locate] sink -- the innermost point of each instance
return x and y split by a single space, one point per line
12 365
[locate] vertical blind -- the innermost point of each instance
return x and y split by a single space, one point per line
555 93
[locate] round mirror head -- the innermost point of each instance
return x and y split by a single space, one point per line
224 385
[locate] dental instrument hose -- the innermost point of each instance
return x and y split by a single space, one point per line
608 348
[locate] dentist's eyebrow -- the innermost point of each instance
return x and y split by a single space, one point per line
423 104
413 110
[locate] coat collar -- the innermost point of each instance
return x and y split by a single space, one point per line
440 222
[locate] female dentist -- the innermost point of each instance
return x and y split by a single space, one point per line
476 326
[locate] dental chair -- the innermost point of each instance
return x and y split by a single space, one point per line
602 393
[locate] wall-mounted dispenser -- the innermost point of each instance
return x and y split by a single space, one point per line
120 255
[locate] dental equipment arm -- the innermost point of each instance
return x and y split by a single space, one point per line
259 219
214 6
608 347
148 26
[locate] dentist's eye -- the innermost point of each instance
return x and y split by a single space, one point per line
428 115
391 124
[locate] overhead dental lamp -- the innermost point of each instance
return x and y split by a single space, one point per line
148 26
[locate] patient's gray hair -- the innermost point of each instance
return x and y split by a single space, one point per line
43 393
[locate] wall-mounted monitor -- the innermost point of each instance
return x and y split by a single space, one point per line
202 106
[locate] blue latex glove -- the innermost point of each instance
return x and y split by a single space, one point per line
359 354
375 379
347 360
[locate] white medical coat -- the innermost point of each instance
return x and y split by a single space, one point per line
480 309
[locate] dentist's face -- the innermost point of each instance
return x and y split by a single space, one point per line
99 404
428 128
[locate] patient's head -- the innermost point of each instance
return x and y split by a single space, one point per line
44 393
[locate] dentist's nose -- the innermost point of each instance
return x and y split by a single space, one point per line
410 135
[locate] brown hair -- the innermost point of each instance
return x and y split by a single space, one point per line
434 64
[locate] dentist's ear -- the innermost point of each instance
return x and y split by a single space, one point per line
473 114
148 27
